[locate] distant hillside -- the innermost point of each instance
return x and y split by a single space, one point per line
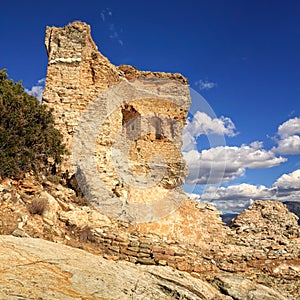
294 207
226 218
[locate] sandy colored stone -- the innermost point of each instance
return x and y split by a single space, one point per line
126 123
51 206
84 216
267 217
37 269
192 238
192 223
240 288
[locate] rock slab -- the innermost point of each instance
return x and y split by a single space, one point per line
38 269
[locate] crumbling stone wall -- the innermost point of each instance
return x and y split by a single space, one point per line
143 114
77 73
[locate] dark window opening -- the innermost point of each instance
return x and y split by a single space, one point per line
131 121
157 125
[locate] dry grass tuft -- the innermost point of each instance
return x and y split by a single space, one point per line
38 206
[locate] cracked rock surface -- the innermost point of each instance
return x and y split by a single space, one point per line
37 269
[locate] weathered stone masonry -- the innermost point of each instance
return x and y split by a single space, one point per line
77 74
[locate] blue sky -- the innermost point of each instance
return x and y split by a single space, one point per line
241 56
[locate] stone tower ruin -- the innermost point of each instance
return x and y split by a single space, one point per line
121 126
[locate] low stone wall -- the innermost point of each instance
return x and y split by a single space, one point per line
147 249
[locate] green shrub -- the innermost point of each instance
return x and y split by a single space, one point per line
28 139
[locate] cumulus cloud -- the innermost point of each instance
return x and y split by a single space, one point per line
205 85
235 198
228 204
242 191
203 124
289 128
289 145
225 163
288 186
288 137
37 90
220 163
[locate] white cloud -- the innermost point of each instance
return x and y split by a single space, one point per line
288 182
221 163
290 127
288 137
292 113
242 191
42 81
234 204
37 90
114 34
105 13
289 145
225 163
205 85
203 124
235 198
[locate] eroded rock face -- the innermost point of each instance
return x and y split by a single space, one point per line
240 288
267 219
45 270
193 239
122 126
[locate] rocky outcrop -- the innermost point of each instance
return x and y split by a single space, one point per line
43 270
265 223
50 211
198 243
240 288
269 218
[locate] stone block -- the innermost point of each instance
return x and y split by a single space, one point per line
146 261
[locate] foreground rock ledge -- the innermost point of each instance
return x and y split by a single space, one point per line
38 269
